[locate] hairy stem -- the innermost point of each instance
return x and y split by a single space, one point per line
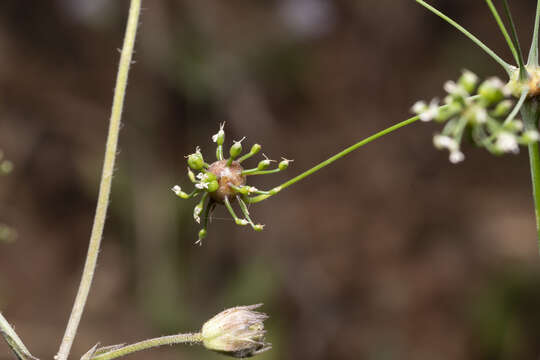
13 340
530 111
148 344
105 185
533 52
503 29
473 38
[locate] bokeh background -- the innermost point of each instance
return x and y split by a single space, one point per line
390 253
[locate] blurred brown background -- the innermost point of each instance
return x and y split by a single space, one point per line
391 253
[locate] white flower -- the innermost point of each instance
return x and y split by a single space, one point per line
201 185
454 89
176 189
480 115
196 213
419 107
507 142
202 176
219 134
445 142
431 112
456 156
531 135
469 77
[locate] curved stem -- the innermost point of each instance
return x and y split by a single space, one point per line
533 52
518 106
474 39
522 71
13 340
503 29
105 185
148 344
337 157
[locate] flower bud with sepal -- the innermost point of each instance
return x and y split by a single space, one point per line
237 332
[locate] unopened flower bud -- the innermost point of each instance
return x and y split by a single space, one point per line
468 81
213 186
191 175
202 235
178 191
195 160
255 149
263 164
530 136
503 108
284 164
237 332
236 149
219 138
491 90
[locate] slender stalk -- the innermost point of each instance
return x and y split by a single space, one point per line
518 106
473 38
530 111
13 340
105 185
522 71
338 156
533 52
503 29
148 344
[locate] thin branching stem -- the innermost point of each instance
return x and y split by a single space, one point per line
503 29
533 52
522 70
337 157
149 344
473 38
13 340
518 106
105 185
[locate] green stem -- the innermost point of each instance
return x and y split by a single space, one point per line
473 38
260 172
522 71
105 185
148 344
533 52
530 111
13 340
503 29
518 106
338 156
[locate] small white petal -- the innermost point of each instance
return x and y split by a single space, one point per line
532 135
196 213
431 112
445 142
419 107
507 142
481 115
176 189
456 156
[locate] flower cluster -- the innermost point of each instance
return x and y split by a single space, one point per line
483 110
225 181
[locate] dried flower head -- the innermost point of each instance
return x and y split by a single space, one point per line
224 182
237 332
